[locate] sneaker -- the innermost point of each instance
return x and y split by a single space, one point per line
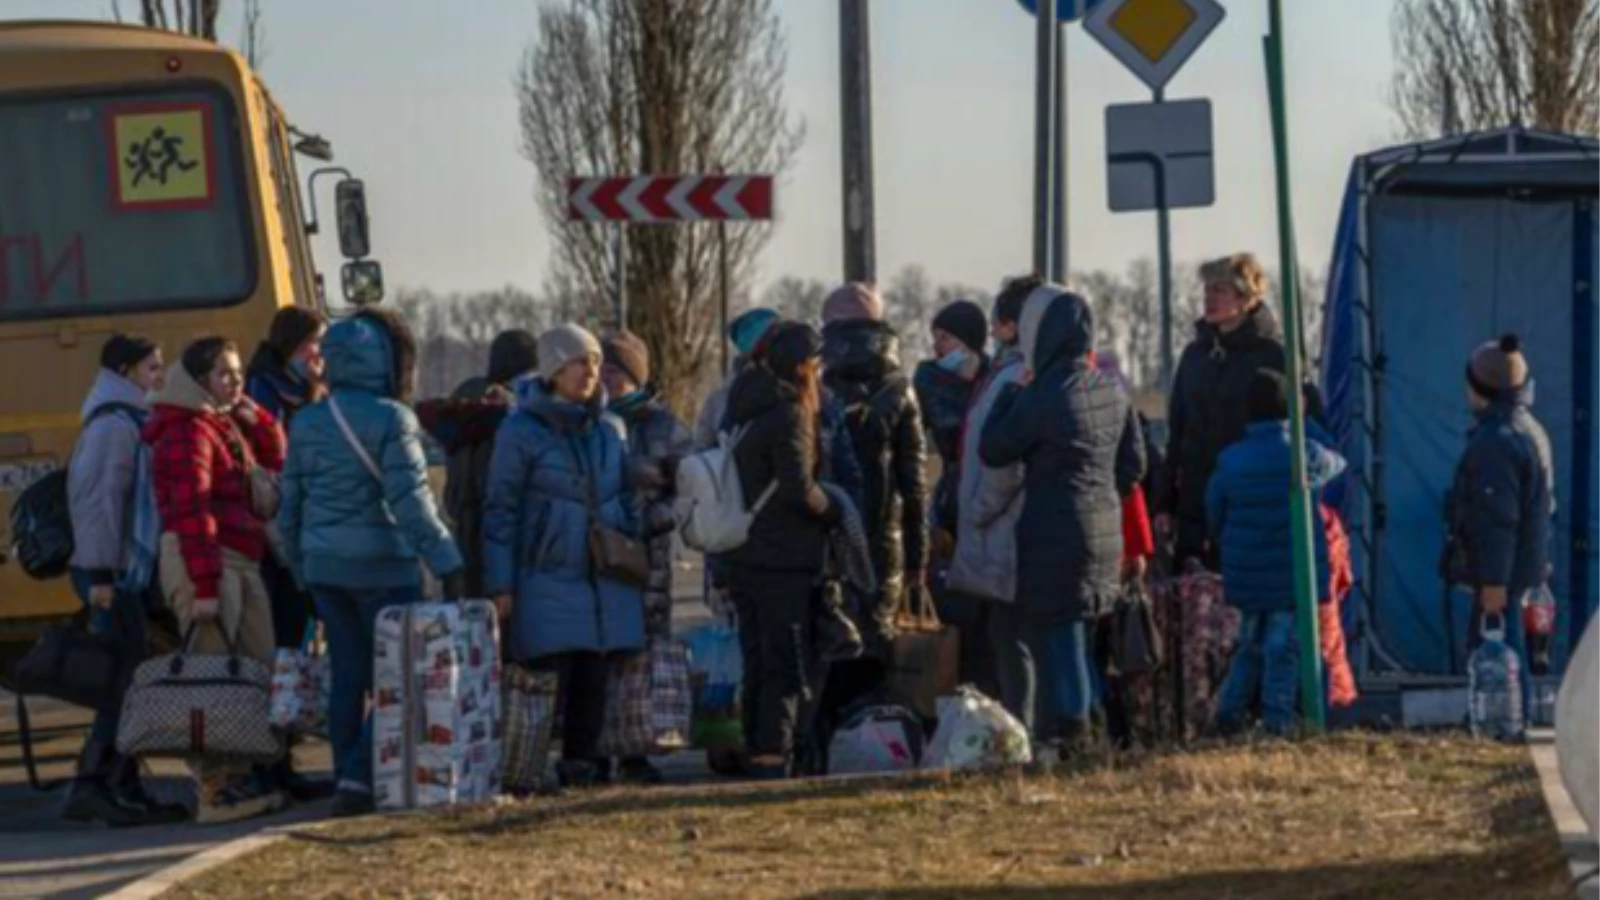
236 800
350 804
638 771
95 802
838 639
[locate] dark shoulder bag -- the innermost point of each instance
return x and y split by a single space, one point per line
614 554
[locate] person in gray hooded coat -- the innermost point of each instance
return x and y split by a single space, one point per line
101 482
989 503
1075 431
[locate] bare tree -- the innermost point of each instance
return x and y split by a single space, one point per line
664 87
794 298
196 17
1471 65
253 35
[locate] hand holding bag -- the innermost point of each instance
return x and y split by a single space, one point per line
924 655
200 705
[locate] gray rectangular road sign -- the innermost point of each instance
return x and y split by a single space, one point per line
1159 154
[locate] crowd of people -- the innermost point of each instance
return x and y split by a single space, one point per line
296 491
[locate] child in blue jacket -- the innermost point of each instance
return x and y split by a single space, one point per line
1247 507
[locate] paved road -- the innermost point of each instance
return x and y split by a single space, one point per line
42 856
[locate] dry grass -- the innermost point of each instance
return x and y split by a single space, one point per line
1351 816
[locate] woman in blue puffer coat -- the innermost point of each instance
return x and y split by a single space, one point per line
559 460
358 517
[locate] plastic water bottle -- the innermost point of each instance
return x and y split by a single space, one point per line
1494 685
1539 624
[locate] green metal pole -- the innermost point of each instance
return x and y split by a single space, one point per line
1306 590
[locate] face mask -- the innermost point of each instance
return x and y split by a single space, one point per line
955 360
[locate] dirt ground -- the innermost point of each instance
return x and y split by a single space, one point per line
1354 816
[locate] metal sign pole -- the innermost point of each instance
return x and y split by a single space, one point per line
855 89
622 276
1043 128
1301 512
1060 259
722 289
1164 267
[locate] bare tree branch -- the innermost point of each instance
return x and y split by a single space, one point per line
615 87
1471 65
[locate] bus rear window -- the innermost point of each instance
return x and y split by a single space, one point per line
121 202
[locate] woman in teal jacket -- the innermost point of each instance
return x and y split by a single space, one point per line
358 517
558 462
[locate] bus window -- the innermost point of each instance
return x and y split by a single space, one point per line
290 214
122 201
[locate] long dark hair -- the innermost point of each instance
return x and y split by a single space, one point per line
403 346
200 358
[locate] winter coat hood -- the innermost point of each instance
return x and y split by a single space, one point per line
108 388
360 357
535 398
183 396
860 350
1056 326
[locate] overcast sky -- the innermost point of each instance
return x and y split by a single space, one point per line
416 96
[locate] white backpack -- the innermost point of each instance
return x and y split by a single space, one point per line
710 509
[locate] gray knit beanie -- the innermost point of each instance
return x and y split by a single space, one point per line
563 344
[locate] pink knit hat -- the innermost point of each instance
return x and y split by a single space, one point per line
852 301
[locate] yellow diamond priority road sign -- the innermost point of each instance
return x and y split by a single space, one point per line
1153 38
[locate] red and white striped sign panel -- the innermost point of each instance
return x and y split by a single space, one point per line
670 198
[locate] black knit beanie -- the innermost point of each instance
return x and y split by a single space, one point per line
513 354
789 344
965 321
124 351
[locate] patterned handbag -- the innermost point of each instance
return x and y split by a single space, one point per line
302 682
649 704
216 706
529 706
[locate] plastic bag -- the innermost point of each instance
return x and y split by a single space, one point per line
716 670
1576 711
301 683
877 739
976 732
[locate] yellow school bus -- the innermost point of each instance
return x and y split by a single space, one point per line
147 184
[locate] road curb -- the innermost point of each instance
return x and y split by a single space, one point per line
1582 852
158 883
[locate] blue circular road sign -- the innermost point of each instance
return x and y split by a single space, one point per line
1066 10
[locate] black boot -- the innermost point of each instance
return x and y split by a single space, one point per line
93 801
638 770
128 785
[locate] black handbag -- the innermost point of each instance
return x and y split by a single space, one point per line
1135 642
75 665
72 664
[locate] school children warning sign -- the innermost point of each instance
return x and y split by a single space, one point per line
161 154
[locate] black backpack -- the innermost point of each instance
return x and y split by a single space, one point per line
41 518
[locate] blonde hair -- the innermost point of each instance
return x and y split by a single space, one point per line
1241 270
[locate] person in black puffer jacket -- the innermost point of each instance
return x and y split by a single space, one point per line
1074 430
1208 408
861 362
465 426
775 575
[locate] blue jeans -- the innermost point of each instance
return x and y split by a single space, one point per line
126 620
1266 664
349 617
1067 670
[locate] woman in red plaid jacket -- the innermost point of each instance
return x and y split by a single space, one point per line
208 439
